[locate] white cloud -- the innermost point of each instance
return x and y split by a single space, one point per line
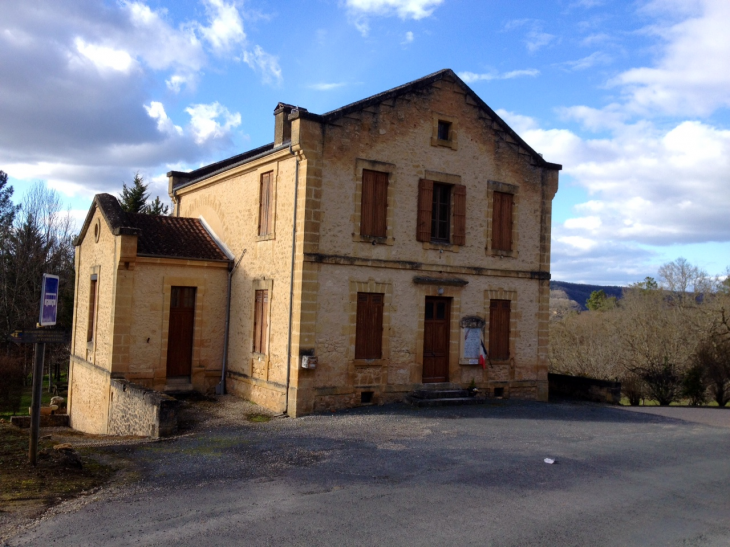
106 58
595 58
691 77
471 77
176 81
537 39
648 185
265 63
164 124
204 120
326 86
405 9
408 38
226 27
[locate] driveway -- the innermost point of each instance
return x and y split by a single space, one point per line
397 476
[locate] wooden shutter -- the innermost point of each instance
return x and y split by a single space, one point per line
374 206
502 222
261 321
92 311
459 193
369 326
425 202
499 324
266 216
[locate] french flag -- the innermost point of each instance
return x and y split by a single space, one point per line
483 355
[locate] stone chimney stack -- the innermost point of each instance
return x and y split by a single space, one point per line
282 125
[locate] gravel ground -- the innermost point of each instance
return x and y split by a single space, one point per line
400 476
714 416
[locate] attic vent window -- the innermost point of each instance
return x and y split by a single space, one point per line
444 130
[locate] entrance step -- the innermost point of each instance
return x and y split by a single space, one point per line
443 397
178 385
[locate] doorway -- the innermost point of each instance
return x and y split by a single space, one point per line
180 334
436 329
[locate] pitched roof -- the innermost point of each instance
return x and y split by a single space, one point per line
158 236
333 115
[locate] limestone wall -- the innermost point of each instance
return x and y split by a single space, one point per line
229 204
146 363
135 410
88 403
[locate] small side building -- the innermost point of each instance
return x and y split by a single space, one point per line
149 290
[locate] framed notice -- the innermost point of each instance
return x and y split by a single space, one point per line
49 300
472 328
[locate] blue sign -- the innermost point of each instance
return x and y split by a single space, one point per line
49 300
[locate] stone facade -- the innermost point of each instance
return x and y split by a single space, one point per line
313 262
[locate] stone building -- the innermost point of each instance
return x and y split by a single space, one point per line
379 245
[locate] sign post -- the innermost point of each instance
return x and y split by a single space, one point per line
48 312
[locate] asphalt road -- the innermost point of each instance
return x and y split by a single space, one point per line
397 476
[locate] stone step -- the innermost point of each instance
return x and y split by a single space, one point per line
446 401
440 393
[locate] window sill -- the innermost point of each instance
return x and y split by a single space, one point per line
373 240
258 356
266 237
370 362
502 254
434 246
446 144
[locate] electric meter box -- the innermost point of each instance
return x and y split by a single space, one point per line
309 361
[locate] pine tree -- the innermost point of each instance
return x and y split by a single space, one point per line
7 208
134 199
156 207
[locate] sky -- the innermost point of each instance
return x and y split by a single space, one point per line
631 97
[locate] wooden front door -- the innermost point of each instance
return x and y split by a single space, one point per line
180 337
436 340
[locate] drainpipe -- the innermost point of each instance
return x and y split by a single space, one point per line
220 389
291 277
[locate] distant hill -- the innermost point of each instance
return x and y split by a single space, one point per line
580 292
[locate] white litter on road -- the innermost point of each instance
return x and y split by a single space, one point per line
549 460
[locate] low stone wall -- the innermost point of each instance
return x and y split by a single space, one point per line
136 410
586 389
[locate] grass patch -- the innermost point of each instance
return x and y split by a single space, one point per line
27 396
23 486
258 418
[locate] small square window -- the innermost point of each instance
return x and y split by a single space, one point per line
444 131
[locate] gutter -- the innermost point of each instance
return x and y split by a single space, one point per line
220 389
291 277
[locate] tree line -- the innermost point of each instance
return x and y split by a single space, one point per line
666 340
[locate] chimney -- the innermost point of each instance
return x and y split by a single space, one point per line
282 125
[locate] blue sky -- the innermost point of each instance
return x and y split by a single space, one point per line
631 97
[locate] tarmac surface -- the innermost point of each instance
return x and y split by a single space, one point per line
394 475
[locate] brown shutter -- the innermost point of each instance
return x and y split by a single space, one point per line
264 323
499 326
92 311
369 326
380 205
425 202
502 222
265 201
257 321
459 194
361 328
374 203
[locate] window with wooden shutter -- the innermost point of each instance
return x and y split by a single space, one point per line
499 318
261 322
92 311
369 326
441 213
266 204
502 221
374 204
425 203
459 193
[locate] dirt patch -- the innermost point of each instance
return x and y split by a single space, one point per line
27 491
